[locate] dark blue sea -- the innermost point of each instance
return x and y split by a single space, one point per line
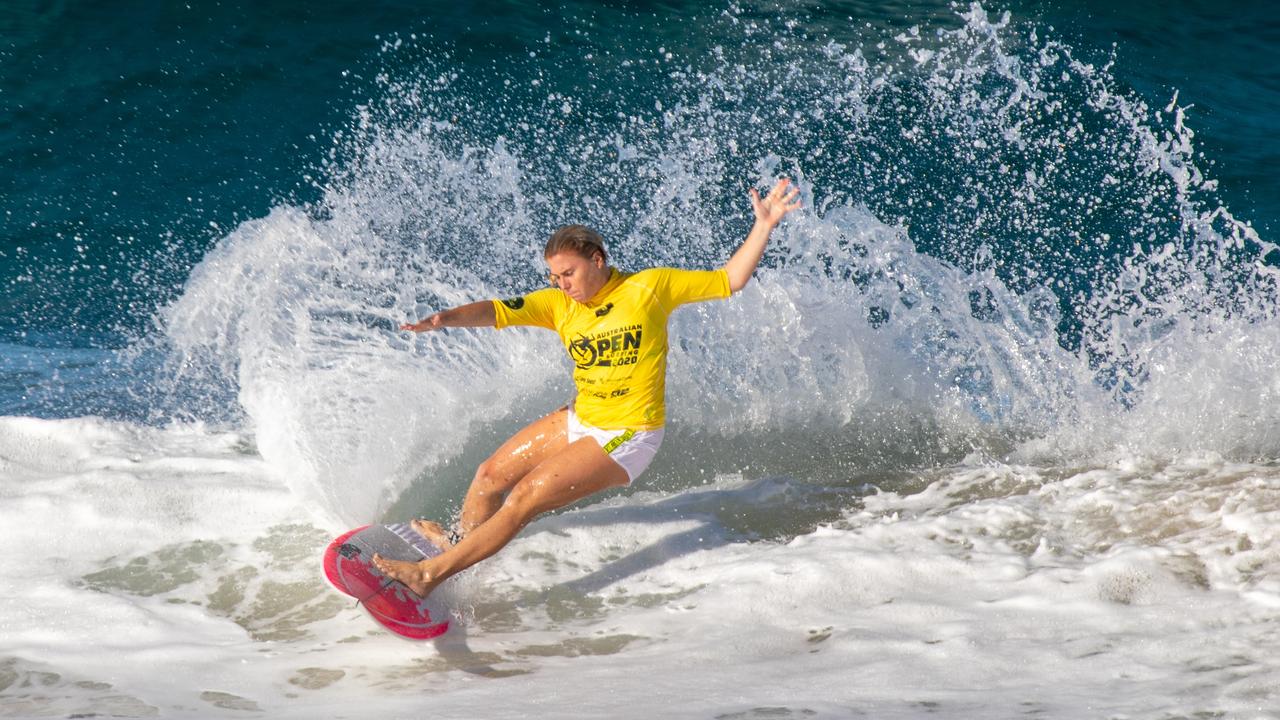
993 432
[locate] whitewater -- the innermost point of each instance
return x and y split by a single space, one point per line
992 433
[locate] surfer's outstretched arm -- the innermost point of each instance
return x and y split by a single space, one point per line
769 211
476 314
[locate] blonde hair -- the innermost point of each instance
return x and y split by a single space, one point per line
577 239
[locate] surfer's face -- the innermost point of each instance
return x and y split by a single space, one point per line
578 277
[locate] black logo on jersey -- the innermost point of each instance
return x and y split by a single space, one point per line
583 352
604 310
514 303
619 346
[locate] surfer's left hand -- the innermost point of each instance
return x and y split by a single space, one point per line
782 199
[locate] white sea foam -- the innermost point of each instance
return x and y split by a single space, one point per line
1141 588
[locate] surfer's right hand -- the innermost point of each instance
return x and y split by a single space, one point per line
427 324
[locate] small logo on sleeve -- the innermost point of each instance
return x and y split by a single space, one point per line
514 303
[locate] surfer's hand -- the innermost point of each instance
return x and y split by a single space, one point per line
782 199
425 325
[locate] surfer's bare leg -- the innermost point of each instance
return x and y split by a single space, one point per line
580 470
514 459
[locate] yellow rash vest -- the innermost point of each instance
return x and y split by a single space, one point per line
617 340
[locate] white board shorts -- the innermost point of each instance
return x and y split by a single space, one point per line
632 449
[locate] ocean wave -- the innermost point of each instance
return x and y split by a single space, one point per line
1004 251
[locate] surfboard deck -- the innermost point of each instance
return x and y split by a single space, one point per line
348 564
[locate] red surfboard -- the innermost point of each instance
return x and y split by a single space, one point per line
348 564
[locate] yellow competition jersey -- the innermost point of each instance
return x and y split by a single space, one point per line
618 339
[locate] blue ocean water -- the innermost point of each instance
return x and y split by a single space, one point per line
135 138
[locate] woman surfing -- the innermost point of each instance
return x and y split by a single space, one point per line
614 326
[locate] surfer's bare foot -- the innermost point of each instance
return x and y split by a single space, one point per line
433 532
415 576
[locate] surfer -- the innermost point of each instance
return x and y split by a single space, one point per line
614 326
